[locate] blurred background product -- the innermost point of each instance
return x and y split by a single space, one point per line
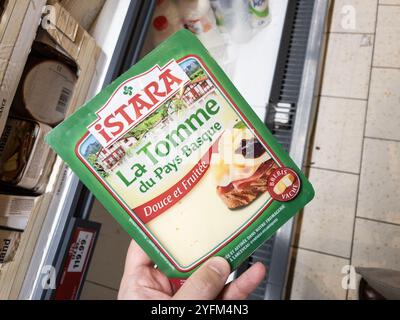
222 11
219 24
44 77
259 10
199 18
23 153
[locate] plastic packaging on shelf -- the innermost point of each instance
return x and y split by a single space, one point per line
241 30
45 91
223 11
240 19
260 15
197 16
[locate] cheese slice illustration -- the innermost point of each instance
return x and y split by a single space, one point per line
284 183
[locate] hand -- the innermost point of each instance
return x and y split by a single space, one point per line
141 281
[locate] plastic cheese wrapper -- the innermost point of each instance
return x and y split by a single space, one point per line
178 157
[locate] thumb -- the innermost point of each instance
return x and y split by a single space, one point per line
207 282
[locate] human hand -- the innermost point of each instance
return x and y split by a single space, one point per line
141 281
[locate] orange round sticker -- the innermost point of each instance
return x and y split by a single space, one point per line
283 184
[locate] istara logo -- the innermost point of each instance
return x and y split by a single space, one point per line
134 99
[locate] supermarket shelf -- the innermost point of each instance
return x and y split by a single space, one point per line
71 198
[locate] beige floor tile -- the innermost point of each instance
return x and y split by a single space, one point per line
387 44
383 119
339 134
327 222
379 196
108 260
376 245
93 291
317 276
354 16
347 66
394 2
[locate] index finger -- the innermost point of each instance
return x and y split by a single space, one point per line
205 283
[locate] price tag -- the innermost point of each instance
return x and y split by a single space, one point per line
79 251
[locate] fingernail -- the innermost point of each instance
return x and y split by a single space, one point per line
220 266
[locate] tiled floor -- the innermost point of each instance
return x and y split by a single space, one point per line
355 157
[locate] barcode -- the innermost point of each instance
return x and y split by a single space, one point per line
21 207
63 100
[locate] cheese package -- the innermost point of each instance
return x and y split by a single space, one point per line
177 156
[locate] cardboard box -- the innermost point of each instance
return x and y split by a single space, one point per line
80 47
9 241
18 27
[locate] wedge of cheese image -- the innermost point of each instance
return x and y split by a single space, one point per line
284 183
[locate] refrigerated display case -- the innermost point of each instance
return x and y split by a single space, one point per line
129 21
277 72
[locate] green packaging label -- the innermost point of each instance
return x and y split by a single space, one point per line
178 157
